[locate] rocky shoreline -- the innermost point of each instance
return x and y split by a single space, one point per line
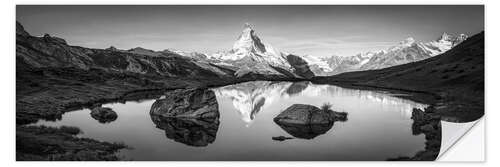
40 143
426 122
58 91
420 120
52 96
120 93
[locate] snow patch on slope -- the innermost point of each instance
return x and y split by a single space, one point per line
311 60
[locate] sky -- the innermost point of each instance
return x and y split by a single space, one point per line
314 30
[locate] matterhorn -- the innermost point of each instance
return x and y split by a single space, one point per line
251 56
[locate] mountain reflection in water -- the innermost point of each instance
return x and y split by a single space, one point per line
250 98
378 127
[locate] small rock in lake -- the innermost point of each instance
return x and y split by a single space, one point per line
103 114
307 114
306 121
281 138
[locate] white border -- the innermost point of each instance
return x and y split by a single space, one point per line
452 134
469 147
8 85
247 2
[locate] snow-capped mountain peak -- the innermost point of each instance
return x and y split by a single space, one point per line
251 55
406 51
248 51
462 37
248 41
445 37
453 40
316 61
407 42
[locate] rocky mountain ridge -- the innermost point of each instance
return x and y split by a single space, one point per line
406 51
53 52
249 58
258 61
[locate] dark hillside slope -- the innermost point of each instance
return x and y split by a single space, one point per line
52 76
457 76
300 66
53 52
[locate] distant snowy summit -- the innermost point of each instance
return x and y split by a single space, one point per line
406 51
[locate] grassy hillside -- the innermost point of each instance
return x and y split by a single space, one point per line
456 76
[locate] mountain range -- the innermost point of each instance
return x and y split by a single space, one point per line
455 77
404 52
251 55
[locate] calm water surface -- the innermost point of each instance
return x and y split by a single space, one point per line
378 126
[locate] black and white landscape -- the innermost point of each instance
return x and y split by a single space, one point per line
378 100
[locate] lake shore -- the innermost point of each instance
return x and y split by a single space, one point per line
72 97
49 93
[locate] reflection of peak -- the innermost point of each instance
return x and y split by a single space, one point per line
256 107
253 98
250 98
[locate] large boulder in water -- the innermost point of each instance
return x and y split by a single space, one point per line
188 116
307 121
307 114
103 114
192 132
191 103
